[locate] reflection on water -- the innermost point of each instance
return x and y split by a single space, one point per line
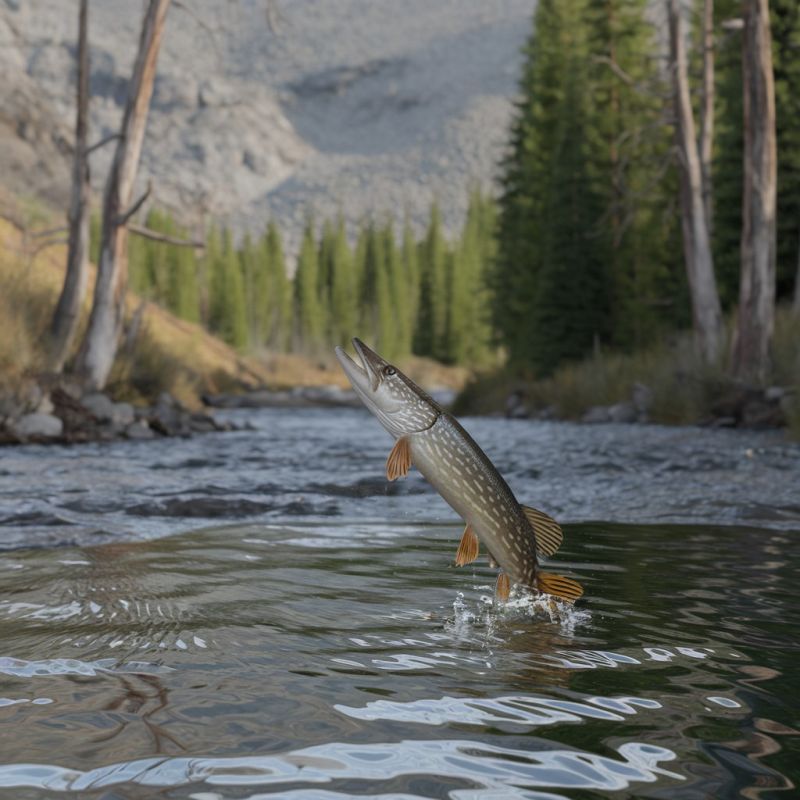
330 661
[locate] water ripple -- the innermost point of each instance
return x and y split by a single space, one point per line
495 768
519 710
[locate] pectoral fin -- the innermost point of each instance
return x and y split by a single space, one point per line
399 461
502 588
559 586
549 535
468 548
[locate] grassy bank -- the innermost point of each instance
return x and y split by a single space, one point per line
682 390
165 354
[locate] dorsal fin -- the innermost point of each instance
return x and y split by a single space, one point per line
549 535
468 548
399 461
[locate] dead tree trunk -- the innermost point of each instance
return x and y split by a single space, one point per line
65 317
756 317
706 311
707 112
100 343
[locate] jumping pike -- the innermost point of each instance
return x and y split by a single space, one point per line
433 441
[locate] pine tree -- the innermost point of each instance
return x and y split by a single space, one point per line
409 255
431 335
309 313
727 161
253 269
343 288
279 329
628 147
785 23
550 280
227 302
397 301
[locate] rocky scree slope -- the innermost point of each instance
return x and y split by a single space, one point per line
275 108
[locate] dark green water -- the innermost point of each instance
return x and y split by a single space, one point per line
259 615
336 661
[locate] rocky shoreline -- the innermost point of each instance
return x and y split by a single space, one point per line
735 407
64 415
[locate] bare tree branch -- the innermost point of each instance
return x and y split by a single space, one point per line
104 141
122 219
156 236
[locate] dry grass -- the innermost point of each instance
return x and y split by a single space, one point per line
167 354
683 388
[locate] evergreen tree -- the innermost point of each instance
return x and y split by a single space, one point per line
409 255
253 271
431 334
309 313
371 285
279 327
469 334
727 160
550 279
785 22
627 145
396 301
343 294
227 302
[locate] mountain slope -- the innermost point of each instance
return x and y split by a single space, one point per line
276 108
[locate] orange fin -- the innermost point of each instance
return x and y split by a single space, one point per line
559 586
549 535
468 548
399 461
502 588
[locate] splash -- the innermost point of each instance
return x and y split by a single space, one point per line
481 618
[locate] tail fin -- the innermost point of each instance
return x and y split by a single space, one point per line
559 586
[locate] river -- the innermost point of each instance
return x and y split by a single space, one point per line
258 614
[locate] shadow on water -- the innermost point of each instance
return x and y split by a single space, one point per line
329 661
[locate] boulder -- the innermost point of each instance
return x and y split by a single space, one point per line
38 426
99 405
596 414
623 413
139 430
123 414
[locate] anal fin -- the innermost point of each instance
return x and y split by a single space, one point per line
399 461
559 586
549 535
502 588
468 547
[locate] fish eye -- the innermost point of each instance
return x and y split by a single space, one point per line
389 370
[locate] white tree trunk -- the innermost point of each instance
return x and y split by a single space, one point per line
102 337
706 310
67 313
756 317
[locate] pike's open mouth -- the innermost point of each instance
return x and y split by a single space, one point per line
364 377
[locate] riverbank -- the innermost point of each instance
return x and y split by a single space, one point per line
167 373
666 384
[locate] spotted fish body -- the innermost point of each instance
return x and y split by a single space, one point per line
447 456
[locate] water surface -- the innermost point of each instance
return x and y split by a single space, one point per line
321 645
